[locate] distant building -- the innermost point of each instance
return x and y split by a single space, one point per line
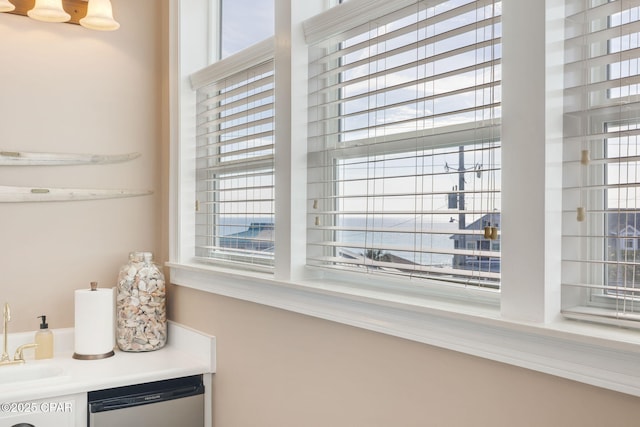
623 247
623 232
476 242
379 260
257 237
628 239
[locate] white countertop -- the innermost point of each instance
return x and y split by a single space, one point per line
187 352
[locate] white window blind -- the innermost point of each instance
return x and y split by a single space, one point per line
404 140
234 165
602 162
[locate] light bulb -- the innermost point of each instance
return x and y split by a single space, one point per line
6 6
49 11
100 16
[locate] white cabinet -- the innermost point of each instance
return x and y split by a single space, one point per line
62 411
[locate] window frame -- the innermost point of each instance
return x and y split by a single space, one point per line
520 326
338 72
585 290
258 57
596 305
361 151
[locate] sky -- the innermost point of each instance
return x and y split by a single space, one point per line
244 23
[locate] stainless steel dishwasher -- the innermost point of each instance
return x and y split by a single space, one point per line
168 403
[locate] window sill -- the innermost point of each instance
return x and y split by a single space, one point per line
599 355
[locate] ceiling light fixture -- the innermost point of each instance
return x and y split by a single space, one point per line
93 14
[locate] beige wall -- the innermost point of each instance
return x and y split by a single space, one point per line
277 369
64 88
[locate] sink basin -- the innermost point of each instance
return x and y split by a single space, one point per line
29 372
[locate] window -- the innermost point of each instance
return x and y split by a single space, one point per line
244 23
235 213
603 160
405 144
629 244
375 148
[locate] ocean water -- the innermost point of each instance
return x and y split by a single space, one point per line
412 240
401 235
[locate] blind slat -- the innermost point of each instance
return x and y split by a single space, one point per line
406 269
411 249
409 121
446 137
394 87
229 135
241 165
250 106
413 231
206 145
216 94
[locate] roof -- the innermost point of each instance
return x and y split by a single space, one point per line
490 219
258 237
629 231
620 220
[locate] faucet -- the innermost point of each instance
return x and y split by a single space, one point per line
18 357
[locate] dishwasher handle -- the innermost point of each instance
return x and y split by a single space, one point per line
144 398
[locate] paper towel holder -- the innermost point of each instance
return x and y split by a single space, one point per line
94 288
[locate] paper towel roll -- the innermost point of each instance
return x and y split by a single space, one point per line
94 335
